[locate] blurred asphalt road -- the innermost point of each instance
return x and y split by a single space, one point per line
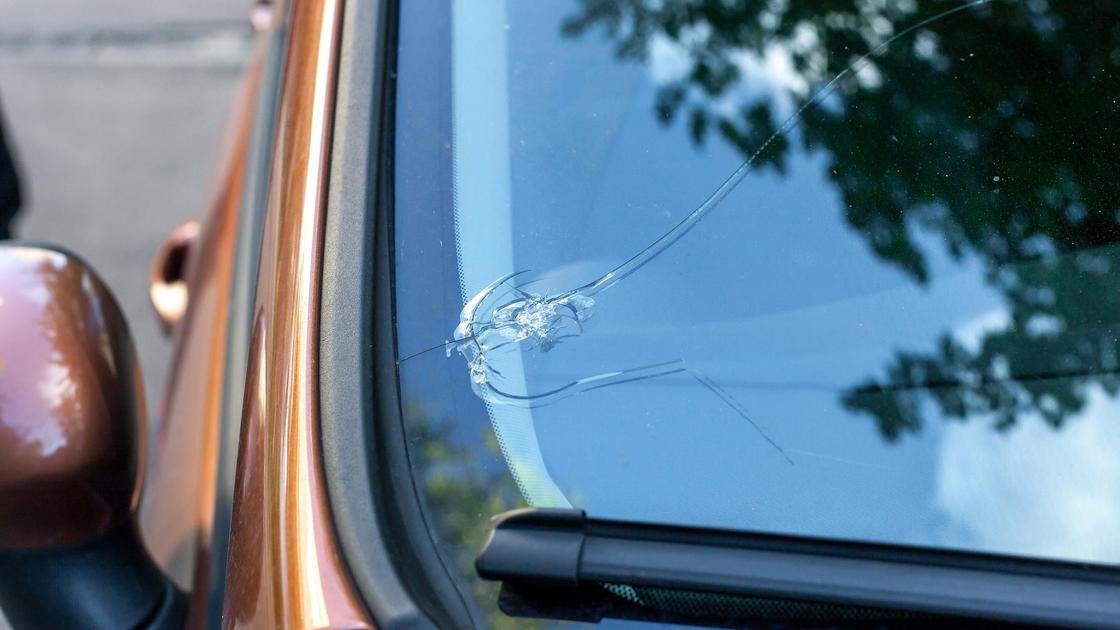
116 110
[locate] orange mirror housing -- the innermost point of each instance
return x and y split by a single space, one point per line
71 402
71 453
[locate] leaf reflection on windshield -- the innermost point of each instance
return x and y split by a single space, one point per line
997 137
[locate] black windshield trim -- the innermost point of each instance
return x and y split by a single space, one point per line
376 513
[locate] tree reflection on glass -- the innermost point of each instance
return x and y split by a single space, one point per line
948 133
465 483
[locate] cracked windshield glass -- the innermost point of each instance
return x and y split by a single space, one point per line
845 269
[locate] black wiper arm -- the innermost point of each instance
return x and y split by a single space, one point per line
556 547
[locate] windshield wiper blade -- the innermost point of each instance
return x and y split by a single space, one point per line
540 547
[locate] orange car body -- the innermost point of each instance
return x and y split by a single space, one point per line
284 567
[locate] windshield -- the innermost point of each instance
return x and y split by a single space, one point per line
845 269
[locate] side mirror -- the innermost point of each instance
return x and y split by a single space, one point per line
72 421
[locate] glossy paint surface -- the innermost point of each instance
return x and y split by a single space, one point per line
284 565
177 509
71 405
